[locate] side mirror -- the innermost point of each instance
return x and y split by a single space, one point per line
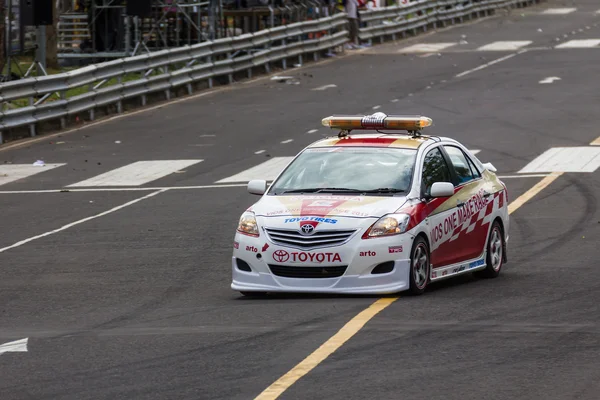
442 189
257 186
489 167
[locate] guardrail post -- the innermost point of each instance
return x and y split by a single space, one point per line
210 80
31 126
119 103
284 60
229 76
63 121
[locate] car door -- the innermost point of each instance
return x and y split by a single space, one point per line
472 192
436 169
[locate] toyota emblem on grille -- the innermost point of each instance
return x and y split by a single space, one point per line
307 229
281 255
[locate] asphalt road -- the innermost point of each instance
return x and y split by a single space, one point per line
125 293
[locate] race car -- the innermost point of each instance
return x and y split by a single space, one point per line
382 210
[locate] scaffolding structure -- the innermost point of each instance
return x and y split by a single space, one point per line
105 31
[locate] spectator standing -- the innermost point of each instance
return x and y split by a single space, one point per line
353 20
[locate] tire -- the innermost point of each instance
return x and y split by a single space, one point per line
495 253
254 294
420 266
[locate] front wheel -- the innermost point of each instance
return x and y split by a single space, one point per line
495 253
419 266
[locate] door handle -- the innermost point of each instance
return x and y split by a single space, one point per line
486 194
460 203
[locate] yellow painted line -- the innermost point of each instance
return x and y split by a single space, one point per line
330 346
528 195
596 142
357 323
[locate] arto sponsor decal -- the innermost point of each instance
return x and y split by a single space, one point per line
252 249
302 256
445 229
367 253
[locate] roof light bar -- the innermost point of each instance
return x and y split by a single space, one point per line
377 121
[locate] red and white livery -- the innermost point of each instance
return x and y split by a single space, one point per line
372 213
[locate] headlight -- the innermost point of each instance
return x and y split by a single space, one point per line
247 224
388 225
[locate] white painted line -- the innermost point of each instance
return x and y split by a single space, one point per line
267 170
259 152
486 65
376 107
579 44
287 141
474 151
81 221
596 142
559 11
550 79
427 47
565 159
14 172
505 45
313 131
598 12
137 173
395 100
426 55
18 346
131 189
325 87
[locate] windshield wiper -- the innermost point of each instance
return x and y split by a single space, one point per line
343 190
383 190
318 190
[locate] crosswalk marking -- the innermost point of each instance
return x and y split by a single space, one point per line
559 11
565 159
579 44
267 170
137 173
426 47
14 172
505 45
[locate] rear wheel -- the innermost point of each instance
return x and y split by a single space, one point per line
419 266
495 253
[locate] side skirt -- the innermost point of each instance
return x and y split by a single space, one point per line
441 273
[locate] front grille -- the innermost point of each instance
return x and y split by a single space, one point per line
288 271
293 238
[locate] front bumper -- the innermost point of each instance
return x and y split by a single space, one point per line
360 260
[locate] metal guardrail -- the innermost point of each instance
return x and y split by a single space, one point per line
167 70
390 21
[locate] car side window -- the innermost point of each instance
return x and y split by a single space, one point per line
474 169
460 164
435 169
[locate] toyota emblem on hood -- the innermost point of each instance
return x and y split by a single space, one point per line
307 229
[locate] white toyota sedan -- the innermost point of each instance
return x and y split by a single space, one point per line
372 213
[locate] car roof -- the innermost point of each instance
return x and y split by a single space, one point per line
403 141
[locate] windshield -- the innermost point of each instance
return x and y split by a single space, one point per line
348 169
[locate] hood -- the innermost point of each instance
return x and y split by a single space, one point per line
327 206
